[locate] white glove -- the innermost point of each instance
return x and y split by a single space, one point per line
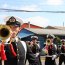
53 57
37 54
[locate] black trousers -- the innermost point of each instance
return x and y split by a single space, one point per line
49 61
39 60
62 59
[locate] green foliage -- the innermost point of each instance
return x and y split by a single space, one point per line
58 40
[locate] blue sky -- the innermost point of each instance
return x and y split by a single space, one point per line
40 19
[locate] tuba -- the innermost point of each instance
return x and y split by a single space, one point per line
5 32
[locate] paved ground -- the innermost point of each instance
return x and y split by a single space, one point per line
43 60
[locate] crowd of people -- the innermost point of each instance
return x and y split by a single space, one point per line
54 51
18 52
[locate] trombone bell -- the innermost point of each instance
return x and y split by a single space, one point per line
5 32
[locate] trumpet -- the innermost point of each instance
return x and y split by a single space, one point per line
5 32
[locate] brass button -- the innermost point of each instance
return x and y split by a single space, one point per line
18 54
17 49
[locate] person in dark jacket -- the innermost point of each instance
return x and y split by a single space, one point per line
62 53
51 51
21 49
35 47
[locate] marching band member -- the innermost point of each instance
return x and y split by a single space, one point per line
4 34
62 53
20 47
50 50
35 47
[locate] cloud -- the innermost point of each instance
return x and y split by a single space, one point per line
5 5
37 20
54 2
30 7
24 7
2 19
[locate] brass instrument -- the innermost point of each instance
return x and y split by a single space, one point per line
5 32
48 41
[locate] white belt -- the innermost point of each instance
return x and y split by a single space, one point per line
48 56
